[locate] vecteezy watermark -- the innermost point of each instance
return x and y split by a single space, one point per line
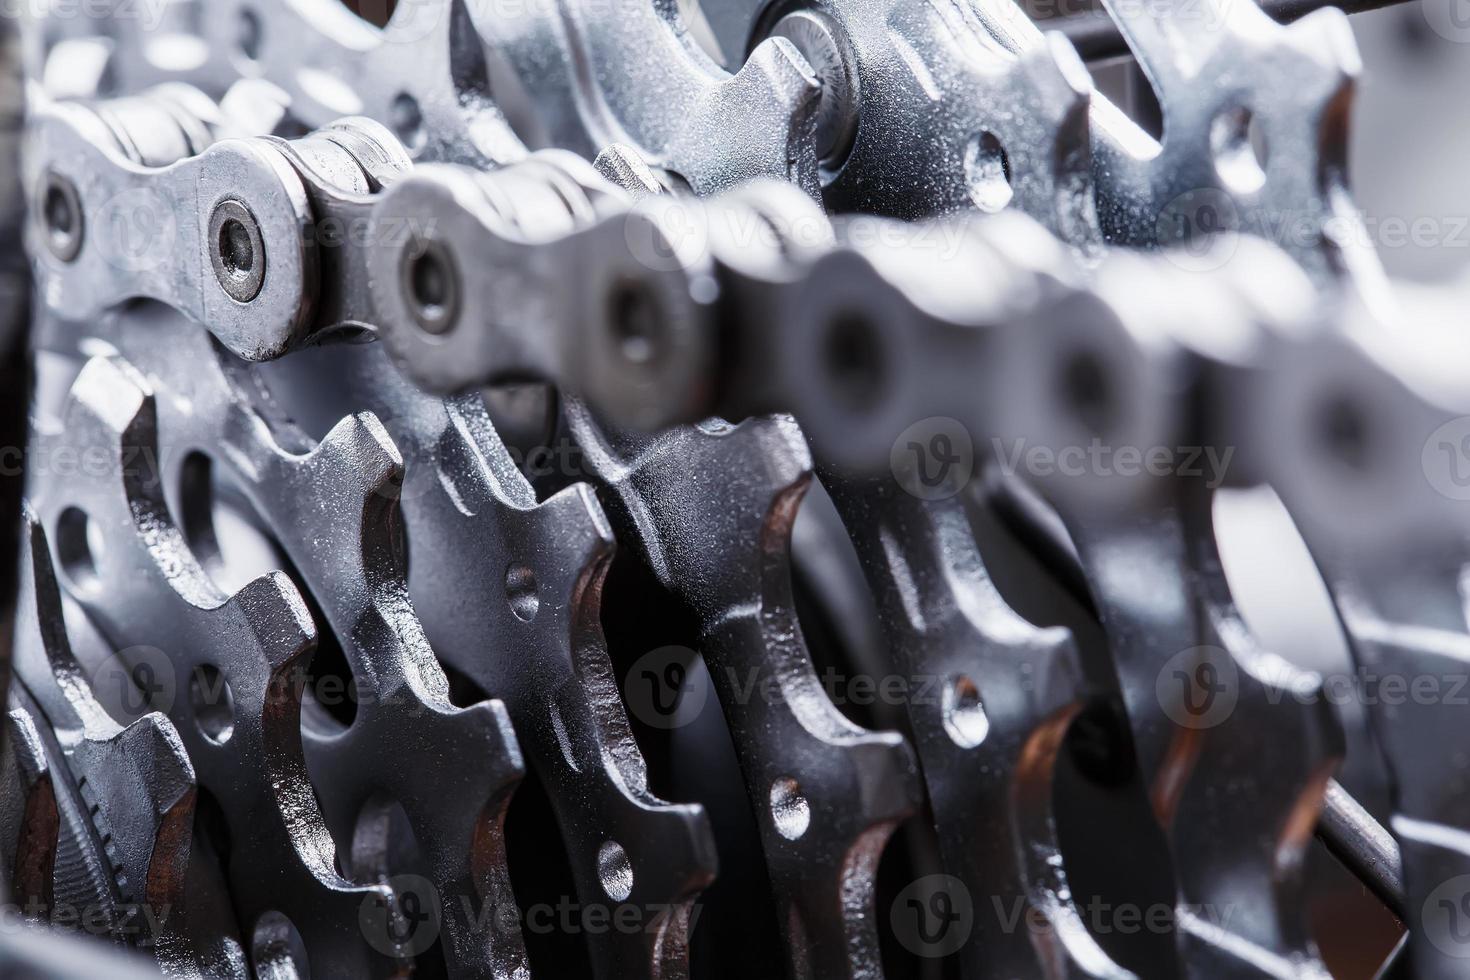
934 458
1367 687
412 918
936 915
1102 917
136 230
138 464
656 691
138 680
407 923
1450 19
1197 229
1446 459
933 917
1097 458
665 688
148 13
668 688
1198 687
136 920
1446 917
391 231
569 917
135 681
1200 229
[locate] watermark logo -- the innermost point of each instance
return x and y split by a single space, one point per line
1198 687
664 231
1366 687
934 458
1446 917
147 13
139 921
411 20
1099 459
1446 459
934 916
1450 19
136 681
136 230
47 459
657 692
406 926
1198 229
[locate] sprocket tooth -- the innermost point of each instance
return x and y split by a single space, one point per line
31 835
777 73
109 399
625 167
397 747
274 612
1327 34
541 601
1193 744
782 64
367 453
1200 691
585 60
147 754
137 769
826 793
132 789
988 737
1001 131
232 660
1206 167
542 567
582 749
591 544
1395 579
1060 73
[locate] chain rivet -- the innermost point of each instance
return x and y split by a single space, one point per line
236 250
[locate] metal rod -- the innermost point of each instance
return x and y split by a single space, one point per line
1097 38
1363 845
